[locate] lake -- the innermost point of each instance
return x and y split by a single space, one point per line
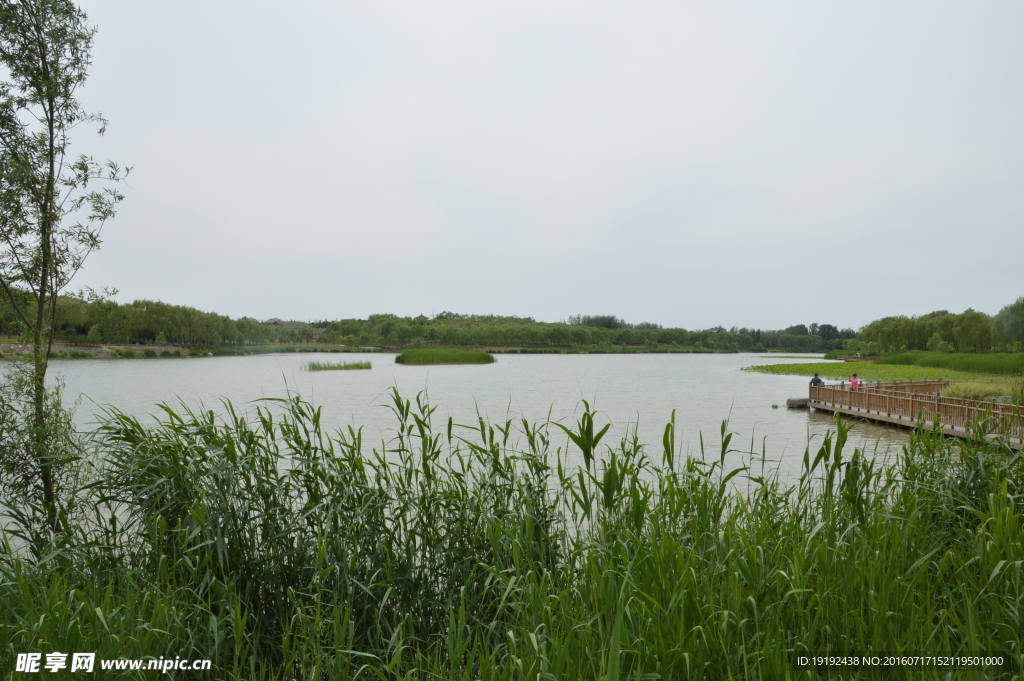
626 390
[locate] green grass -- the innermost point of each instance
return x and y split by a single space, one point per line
422 356
868 371
343 366
978 390
280 551
987 363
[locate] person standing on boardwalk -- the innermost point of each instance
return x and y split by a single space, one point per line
854 382
816 380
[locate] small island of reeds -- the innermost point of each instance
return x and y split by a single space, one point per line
419 356
343 366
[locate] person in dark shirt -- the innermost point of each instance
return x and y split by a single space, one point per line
816 380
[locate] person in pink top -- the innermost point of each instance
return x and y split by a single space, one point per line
854 382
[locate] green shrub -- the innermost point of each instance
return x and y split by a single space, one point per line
149 352
124 353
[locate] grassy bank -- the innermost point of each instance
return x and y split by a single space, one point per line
988 363
343 366
869 371
281 552
421 356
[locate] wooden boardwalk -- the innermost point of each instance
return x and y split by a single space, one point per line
904 403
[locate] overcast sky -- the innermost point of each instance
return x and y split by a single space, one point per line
690 164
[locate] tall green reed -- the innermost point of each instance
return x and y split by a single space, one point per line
482 551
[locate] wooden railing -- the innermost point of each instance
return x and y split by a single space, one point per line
1004 419
917 387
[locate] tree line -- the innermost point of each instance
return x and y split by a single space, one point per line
969 331
148 322
449 328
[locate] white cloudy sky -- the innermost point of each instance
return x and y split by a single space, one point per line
691 164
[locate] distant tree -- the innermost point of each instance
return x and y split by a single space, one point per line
604 321
939 323
890 334
828 332
1009 323
798 330
50 209
973 331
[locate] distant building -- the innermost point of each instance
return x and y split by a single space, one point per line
280 323
317 332
422 316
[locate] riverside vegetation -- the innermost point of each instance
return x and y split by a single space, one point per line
343 366
486 551
994 363
870 371
443 356
914 366
984 390
156 323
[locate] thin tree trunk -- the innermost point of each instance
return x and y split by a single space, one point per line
41 340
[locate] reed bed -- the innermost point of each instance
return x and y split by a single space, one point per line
420 356
984 390
342 366
986 363
488 551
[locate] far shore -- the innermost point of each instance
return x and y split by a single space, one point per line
65 350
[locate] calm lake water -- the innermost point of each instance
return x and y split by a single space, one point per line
626 390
